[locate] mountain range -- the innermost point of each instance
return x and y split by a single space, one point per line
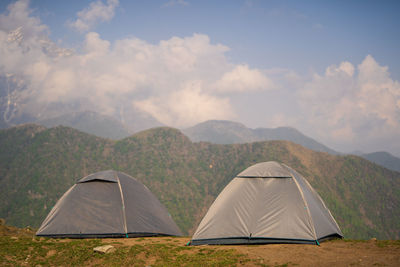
228 132
37 165
214 131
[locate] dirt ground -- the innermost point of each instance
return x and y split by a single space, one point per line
329 253
336 253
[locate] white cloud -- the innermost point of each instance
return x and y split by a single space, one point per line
95 13
242 79
348 108
187 106
18 16
344 68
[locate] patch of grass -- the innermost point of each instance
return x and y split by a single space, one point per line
54 252
167 254
32 252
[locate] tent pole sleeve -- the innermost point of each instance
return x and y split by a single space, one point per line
306 206
322 201
123 205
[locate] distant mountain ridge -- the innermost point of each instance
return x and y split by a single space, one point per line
229 132
37 165
90 122
384 159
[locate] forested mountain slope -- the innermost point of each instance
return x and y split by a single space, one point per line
37 165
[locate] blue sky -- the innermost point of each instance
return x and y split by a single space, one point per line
328 68
300 35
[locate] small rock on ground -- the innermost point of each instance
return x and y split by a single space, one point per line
104 249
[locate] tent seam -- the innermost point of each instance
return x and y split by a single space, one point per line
123 203
323 204
306 205
251 228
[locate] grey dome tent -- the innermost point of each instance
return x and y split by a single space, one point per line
267 203
108 204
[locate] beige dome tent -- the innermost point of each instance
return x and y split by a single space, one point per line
108 204
267 203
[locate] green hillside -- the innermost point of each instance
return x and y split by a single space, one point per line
37 165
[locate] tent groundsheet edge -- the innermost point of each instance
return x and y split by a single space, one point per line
260 240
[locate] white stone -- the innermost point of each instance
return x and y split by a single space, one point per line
104 249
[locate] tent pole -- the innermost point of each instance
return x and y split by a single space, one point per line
123 205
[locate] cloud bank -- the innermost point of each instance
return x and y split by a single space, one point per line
354 105
177 81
